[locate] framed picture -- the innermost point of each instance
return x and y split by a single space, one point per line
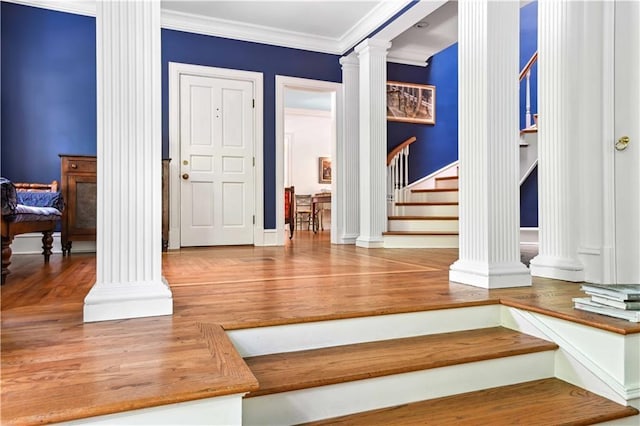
411 103
324 170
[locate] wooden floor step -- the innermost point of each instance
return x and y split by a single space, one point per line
283 372
419 233
417 191
540 402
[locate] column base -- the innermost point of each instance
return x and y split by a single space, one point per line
128 300
370 242
558 268
490 276
348 239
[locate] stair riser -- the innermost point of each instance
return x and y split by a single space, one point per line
446 183
423 225
441 210
346 398
434 197
421 241
312 335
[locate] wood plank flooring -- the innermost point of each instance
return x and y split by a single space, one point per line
56 368
283 372
556 403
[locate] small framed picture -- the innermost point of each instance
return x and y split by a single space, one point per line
411 103
324 170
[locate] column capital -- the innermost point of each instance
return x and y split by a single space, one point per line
372 46
349 61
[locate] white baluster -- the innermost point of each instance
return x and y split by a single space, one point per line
527 115
406 173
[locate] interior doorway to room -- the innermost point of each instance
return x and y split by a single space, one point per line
307 135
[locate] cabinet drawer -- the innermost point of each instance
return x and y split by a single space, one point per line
79 165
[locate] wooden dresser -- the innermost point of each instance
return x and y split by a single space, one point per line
78 186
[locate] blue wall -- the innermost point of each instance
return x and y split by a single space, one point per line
48 90
49 87
436 145
197 49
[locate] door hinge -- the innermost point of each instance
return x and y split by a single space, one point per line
253 105
254 219
254 161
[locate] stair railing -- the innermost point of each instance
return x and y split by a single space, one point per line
398 175
526 73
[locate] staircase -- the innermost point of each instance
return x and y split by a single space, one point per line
427 218
437 367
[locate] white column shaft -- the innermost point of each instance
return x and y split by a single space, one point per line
373 142
488 146
349 175
128 249
558 201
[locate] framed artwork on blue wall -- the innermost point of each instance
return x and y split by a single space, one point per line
411 103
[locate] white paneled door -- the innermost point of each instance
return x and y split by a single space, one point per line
627 156
216 161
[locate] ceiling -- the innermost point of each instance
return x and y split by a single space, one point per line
329 26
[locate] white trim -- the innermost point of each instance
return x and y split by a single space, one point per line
308 112
85 8
529 236
283 82
406 61
177 69
429 180
211 26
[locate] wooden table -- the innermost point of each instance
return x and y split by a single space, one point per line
321 198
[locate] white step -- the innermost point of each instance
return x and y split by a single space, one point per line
450 182
426 209
423 224
419 240
434 195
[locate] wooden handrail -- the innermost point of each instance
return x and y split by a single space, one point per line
399 148
527 67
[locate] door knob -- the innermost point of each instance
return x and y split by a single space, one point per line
185 176
622 143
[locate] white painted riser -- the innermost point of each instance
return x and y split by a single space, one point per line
437 210
423 225
434 197
421 241
447 183
346 398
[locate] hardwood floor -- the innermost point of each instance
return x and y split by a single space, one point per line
56 368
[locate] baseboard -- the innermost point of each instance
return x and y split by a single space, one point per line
31 243
529 236
429 180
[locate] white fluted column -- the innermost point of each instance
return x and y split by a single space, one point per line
558 189
349 175
372 55
489 254
128 251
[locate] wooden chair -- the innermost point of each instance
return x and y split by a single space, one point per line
290 209
12 227
303 211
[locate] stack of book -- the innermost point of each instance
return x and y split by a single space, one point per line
620 301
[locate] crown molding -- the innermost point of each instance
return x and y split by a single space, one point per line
379 15
179 21
77 7
407 61
247 32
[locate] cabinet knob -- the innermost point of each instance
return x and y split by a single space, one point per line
74 166
185 176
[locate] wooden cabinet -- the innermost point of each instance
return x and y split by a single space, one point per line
78 186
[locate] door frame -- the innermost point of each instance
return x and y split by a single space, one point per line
282 83
176 70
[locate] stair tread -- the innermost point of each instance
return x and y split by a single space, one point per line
435 190
539 402
422 218
424 233
282 372
427 203
447 178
